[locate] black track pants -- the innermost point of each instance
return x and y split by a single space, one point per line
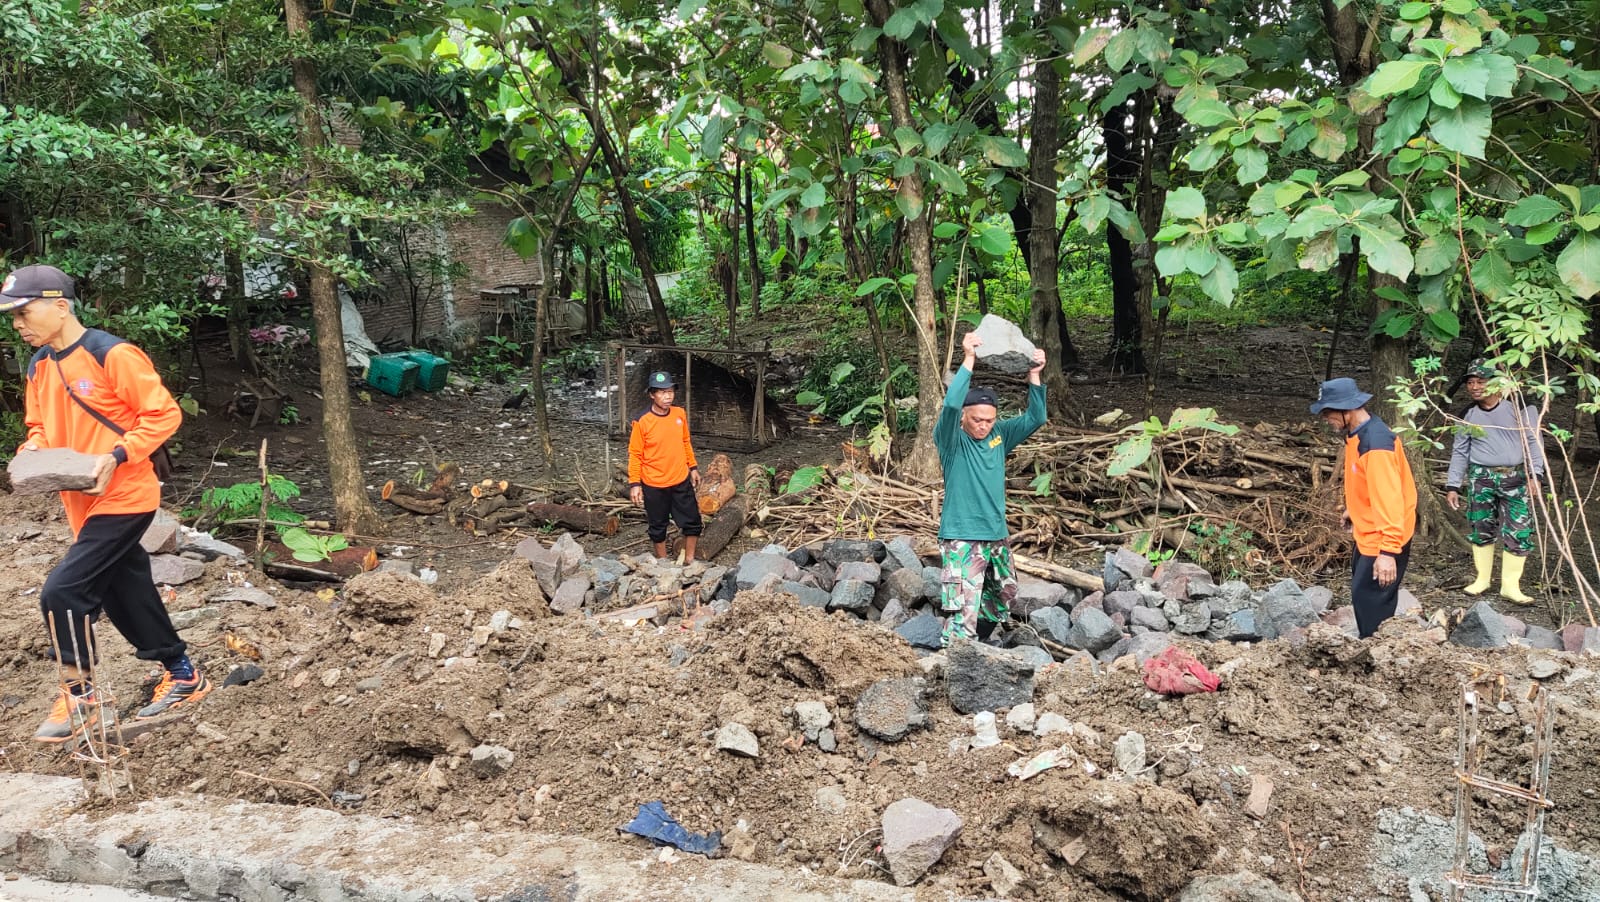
107 571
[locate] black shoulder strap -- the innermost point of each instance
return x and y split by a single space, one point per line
104 420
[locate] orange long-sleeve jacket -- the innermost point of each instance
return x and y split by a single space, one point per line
659 452
1378 489
115 378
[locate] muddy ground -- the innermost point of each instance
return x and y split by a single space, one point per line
354 711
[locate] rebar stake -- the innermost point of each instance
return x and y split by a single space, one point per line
1535 796
93 748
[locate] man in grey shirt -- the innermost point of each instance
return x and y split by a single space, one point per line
1499 454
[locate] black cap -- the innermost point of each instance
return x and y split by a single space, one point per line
661 380
981 396
36 282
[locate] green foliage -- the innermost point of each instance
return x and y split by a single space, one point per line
805 478
310 548
841 383
289 416
12 432
1131 453
499 358
242 501
1222 548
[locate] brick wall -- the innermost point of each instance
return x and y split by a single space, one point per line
476 244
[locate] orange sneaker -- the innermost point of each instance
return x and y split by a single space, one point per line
69 716
170 693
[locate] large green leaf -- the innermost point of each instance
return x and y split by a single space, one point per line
1579 265
994 240
1397 77
815 195
1464 129
1128 455
1119 50
1089 44
1252 163
1002 151
1198 418
1386 252
1401 121
1469 75
1491 275
948 178
1437 254
1221 282
1186 203
1535 209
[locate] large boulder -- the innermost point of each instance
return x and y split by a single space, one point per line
980 678
891 708
840 551
852 595
1052 623
1287 606
915 836
1004 348
1035 594
1093 632
922 631
1480 628
755 566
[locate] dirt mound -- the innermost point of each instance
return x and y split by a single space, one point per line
774 637
387 597
511 586
374 699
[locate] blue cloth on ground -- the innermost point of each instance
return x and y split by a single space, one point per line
655 824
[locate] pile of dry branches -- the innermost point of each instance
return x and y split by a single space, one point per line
1237 503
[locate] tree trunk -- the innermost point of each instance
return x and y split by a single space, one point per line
756 276
923 461
986 115
861 270
573 80
1040 198
1391 358
238 312
1126 355
541 306
352 508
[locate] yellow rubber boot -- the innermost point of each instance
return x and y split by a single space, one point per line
1511 578
1483 560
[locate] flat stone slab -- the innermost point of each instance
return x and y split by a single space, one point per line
171 570
258 597
51 470
198 846
162 536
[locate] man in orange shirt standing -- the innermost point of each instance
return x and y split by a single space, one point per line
97 394
1380 501
662 474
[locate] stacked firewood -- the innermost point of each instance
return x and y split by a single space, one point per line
490 505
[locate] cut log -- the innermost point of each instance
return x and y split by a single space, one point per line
444 480
417 505
716 485
1067 576
757 487
572 517
493 521
721 529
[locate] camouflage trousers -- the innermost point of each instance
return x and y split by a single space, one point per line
1497 508
976 581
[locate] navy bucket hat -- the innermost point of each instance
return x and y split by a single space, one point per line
1339 394
661 380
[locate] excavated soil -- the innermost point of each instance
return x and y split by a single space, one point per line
374 696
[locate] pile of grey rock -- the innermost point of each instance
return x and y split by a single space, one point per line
1143 608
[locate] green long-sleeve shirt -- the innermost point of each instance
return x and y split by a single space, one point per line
975 471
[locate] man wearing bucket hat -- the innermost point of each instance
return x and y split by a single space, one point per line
97 394
976 579
1380 500
1498 453
662 474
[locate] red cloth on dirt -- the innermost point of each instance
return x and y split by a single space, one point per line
1176 672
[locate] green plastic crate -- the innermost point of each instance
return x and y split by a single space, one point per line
432 371
393 374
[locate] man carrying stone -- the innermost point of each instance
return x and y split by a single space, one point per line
1380 501
99 395
1498 452
976 579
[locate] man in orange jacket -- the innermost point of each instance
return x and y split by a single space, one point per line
1380 501
662 473
99 395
